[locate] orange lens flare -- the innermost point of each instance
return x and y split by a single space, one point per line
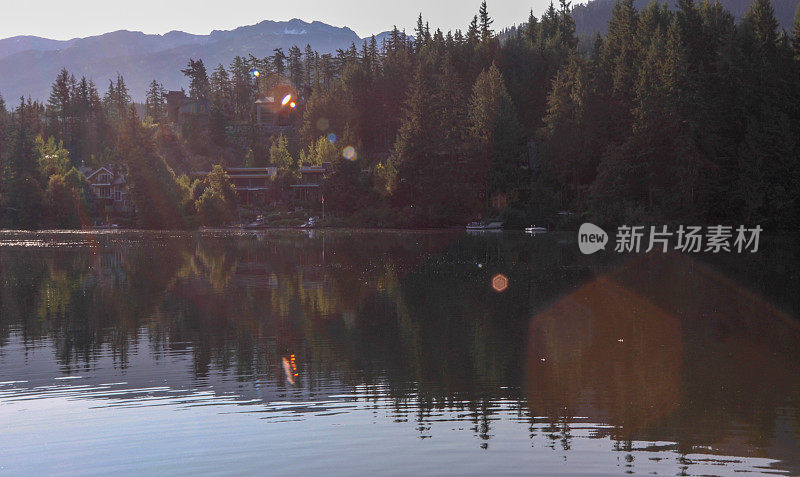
500 283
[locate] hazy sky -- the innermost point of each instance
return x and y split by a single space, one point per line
64 19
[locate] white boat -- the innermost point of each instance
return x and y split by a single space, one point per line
485 226
310 223
259 223
535 230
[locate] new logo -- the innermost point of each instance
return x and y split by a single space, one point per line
591 238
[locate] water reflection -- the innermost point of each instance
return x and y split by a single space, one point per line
398 342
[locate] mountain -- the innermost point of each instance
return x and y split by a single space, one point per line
28 65
593 16
15 44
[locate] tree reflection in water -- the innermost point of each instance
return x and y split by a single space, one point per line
660 348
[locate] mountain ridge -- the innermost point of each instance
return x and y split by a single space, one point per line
30 64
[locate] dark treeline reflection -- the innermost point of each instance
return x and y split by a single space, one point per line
663 348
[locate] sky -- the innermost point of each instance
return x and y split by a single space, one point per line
62 20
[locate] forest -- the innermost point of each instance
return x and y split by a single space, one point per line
674 115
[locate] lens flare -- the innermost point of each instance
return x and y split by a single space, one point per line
500 283
255 73
292 105
349 153
332 138
286 100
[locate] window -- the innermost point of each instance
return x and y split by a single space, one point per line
118 196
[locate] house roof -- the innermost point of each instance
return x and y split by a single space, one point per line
313 169
98 170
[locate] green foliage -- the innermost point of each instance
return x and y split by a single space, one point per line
216 204
154 189
496 133
199 86
154 105
674 114
280 156
796 34
318 152
53 158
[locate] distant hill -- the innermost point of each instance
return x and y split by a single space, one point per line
593 17
28 65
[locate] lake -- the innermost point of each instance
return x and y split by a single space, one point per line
350 352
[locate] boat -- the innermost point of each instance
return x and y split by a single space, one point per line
310 223
104 226
485 225
533 229
259 223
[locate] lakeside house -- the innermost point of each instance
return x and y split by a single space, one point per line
251 183
109 187
181 108
311 179
275 109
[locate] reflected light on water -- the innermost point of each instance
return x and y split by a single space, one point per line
410 361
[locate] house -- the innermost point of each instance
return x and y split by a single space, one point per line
276 108
251 183
181 108
311 179
110 188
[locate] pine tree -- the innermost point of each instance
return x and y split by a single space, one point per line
473 34
566 25
279 154
496 134
221 91
413 139
486 21
59 105
279 61
295 62
796 33
199 86
154 102
761 17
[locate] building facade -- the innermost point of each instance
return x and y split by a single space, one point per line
252 184
110 189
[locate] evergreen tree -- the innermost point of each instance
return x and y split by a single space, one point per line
154 105
279 154
761 17
496 135
199 86
486 21
59 105
796 33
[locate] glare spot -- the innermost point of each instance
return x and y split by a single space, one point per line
500 283
480 265
332 138
292 105
286 100
255 73
349 153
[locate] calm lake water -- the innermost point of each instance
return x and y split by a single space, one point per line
362 353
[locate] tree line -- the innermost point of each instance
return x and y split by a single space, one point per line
674 115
